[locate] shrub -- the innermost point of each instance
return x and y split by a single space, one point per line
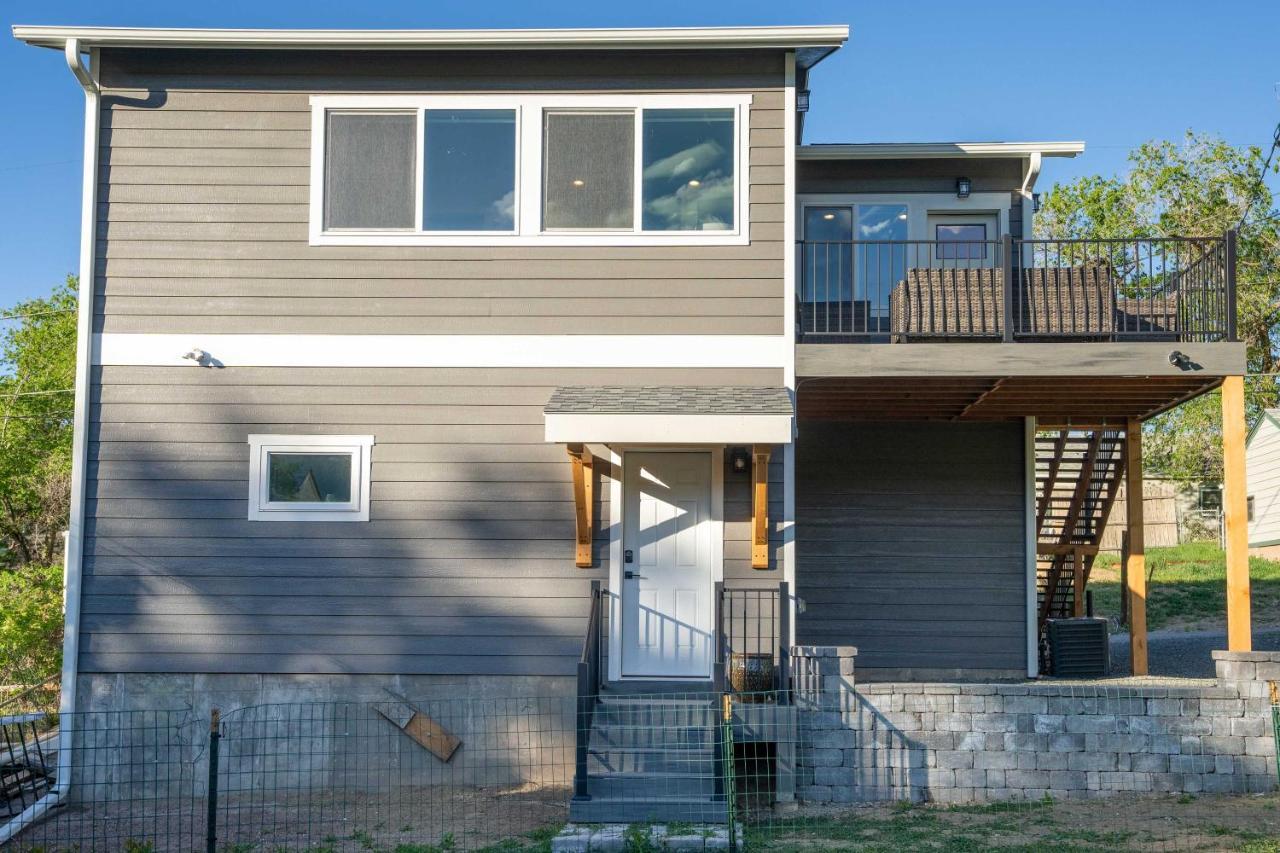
30 623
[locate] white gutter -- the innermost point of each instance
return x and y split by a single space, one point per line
1034 162
820 40
935 150
74 548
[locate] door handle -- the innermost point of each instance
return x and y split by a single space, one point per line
630 575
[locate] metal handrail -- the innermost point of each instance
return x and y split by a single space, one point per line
588 690
765 633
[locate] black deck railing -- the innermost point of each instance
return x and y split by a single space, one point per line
1175 289
589 678
753 648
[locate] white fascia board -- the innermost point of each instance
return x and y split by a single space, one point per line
117 348
668 429
821 36
936 150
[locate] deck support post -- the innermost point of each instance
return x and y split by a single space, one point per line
760 506
583 503
1135 564
1235 514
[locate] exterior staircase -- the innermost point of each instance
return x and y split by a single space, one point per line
652 758
1078 474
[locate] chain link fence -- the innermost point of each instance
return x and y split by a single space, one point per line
873 768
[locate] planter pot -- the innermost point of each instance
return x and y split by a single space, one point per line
751 672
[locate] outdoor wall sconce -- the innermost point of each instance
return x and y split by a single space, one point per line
199 356
964 186
740 460
802 101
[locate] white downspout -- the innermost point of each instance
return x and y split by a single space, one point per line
79 445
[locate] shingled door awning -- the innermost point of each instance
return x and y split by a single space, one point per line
669 414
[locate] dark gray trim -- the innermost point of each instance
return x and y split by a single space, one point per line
1017 359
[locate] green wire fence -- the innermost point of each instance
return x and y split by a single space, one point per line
706 771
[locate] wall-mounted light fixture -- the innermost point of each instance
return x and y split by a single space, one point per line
1035 202
740 460
964 186
199 356
802 101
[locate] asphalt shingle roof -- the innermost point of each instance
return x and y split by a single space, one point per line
669 400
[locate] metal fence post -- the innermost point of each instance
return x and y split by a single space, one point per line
211 818
1006 260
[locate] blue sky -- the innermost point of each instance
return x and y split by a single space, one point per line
1111 73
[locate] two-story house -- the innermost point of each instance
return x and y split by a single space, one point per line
347 298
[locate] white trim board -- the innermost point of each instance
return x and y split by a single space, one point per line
660 428
789 268
168 350
936 150
821 37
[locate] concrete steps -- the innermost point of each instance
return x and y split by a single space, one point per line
651 759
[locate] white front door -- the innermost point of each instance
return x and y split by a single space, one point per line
667 585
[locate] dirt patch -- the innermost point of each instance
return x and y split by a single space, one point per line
406 820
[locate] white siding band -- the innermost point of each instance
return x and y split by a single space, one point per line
668 429
168 350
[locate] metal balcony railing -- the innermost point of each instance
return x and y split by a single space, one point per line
1176 289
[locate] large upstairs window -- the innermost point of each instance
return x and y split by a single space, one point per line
529 170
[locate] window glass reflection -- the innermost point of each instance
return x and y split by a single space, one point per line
688 170
470 166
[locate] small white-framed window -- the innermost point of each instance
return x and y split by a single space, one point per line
557 170
309 477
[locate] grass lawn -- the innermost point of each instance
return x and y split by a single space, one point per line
1187 588
1127 823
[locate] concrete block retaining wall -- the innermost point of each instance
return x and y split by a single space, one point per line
146 735
958 742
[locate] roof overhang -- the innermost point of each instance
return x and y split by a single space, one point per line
811 43
669 415
937 150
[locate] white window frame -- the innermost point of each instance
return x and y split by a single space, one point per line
528 230
261 508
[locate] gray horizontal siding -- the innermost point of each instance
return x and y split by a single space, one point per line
203 207
911 543
466 565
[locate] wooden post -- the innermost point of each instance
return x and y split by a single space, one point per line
1077 570
1135 567
583 503
1235 514
760 507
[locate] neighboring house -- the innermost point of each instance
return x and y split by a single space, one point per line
348 296
1262 466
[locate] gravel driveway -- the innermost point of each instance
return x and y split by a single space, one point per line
1184 653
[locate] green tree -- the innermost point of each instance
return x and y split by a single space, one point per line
36 402
37 375
1198 186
